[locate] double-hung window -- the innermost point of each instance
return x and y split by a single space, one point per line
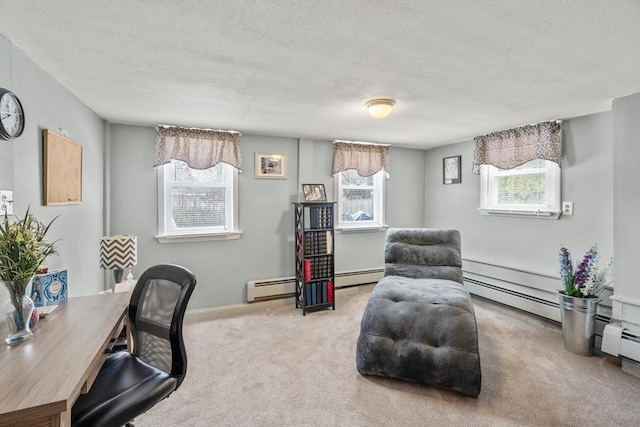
360 199
197 204
520 170
531 189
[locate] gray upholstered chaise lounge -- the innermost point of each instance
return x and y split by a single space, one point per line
419 324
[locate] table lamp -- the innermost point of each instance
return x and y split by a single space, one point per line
118 253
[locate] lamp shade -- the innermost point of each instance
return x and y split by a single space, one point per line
380 108
118 252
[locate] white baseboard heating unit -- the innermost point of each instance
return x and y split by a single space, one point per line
619 341
284 287
525 302
616 340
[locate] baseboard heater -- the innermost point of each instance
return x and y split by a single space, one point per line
601 319
511 292
545 304
284 287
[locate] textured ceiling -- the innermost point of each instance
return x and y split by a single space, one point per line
457 68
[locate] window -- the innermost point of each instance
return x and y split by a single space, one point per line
532 189
197 204
360 200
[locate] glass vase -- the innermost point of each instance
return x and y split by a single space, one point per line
17 311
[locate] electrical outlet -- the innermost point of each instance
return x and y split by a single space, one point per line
6 202
567 208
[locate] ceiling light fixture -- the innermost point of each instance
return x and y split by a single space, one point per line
381 107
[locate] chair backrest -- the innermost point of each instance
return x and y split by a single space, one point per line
423 253
156 312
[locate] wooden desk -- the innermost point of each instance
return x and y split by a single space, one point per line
42 378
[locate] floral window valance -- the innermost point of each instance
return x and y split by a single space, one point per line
366 158
509 148
199 148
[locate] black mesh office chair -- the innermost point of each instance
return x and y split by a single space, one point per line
130 384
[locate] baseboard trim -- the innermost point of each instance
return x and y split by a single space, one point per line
230 310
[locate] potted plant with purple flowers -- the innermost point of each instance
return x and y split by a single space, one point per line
579 299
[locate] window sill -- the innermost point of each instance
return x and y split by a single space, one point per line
182 238
520 214
362 229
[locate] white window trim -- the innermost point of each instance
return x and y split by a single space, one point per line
487 208
197 235
359 226
362 228
172 238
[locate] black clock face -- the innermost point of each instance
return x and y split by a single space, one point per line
11 115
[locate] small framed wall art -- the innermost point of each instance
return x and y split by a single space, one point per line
452 170
314 193
271 165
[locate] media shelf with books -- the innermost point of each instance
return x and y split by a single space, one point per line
314 256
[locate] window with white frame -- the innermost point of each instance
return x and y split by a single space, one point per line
360 199
193 202
531 189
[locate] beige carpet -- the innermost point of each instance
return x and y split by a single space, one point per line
278 368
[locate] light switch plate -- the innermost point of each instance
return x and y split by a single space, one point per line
567 208
6 202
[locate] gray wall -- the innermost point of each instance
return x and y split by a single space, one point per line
265 249
6 148
626 165
526 243
49 105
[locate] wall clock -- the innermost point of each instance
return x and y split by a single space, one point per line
11 115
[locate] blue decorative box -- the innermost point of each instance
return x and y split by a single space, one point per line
49 288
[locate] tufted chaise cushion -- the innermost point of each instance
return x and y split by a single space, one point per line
421 328
423 253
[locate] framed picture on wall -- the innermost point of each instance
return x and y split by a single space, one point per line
62 170
452 170
271 165
314 193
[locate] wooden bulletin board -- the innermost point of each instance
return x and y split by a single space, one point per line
62 170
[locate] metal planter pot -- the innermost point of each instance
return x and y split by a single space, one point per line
578 317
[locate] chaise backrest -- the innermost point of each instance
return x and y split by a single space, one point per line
423 253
